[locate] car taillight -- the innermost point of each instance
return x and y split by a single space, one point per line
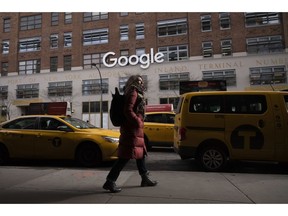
182 134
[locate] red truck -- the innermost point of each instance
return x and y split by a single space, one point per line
50 108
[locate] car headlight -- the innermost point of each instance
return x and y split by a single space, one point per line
111 139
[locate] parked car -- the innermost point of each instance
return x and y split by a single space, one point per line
56 137
158 129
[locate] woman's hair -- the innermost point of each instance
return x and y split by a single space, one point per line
133 80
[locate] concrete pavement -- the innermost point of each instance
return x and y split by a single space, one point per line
67 186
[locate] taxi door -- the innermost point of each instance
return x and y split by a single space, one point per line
249 127
52 143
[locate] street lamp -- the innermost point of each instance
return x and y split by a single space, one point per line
101 95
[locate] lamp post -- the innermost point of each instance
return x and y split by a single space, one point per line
101 95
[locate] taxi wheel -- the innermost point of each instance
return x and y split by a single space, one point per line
89 155
212 158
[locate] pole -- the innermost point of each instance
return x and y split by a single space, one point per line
101 95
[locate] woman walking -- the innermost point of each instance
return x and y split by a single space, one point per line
131 143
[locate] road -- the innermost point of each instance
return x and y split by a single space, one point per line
49 182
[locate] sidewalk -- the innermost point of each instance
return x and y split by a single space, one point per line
67 186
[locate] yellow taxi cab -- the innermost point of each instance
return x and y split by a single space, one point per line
158 129
215 127
56 137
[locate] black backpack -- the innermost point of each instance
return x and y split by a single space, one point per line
116 109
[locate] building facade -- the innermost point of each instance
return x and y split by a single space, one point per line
66 56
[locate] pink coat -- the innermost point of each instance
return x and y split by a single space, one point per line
131 143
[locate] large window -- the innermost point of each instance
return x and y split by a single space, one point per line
206 23
4 68
29 67
174 53
30 44
171 81
266 44
259 19
54 41
95 58
268 75
172 27
207 49
226 47
68 18
93 86
53 64
6 25
228 75
3 92
5 46
124 32
27 91
170 100
140 31
31 22
54 19
56 89
123 80
95 16
224 19
68 39
67 62
94 107
97 36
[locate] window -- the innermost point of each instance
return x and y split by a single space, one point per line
207 104
53 64
268 75
95 58
93 87
31 22
54 19
67 62
171 81
123 80
6 25
23 123
259 19
29 67
226 47
124 14
224 20
245 104
160 118
207 49
206 23
268 44
98 36
95 16
54 41
29 44
50 124
174 53
56 89
228 75
68 39
94 107
27 91
3 92
172 27
140 31
4 68
5 46
68 18
140 51
124 32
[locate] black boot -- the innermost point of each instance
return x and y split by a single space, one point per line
111 186
146 182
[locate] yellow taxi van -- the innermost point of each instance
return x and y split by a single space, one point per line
215 127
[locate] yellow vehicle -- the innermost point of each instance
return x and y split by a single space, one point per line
158 129
56 137
214 127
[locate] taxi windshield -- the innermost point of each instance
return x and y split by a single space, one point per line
78 123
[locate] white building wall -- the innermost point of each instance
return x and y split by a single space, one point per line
240 63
